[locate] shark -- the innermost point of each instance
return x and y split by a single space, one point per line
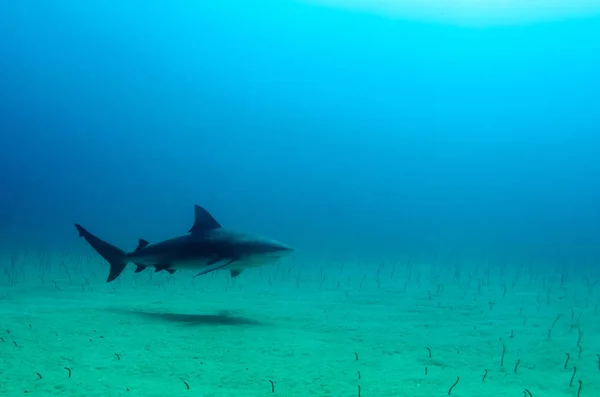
206 247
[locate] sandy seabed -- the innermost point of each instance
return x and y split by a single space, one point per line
297 330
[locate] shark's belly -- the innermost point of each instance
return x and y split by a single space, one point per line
252 261
199 263
231 263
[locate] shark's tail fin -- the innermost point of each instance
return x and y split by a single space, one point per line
115 256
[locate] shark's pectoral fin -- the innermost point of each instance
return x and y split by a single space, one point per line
236 272
215 266
213 261
139 267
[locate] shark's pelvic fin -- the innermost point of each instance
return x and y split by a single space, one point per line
203 221
141 244
139 267
115 256
166 268
236 272
161 267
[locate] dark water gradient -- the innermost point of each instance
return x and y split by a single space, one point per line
336 132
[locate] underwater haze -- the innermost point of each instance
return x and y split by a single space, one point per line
336 130
377 144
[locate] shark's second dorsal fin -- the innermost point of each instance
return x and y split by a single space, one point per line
141 244
203 221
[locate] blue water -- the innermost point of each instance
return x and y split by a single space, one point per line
438 180
341 133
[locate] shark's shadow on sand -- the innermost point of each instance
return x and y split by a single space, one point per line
221 318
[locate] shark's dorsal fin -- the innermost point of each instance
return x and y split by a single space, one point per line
203 221
141 244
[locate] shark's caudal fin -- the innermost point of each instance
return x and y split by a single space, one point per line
115 256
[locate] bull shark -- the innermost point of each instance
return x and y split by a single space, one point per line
206 247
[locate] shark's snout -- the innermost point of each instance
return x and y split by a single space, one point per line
276 250
283 248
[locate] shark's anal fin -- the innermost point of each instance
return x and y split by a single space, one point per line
214 267
203 221
236 272
139 267
171 271
141 244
